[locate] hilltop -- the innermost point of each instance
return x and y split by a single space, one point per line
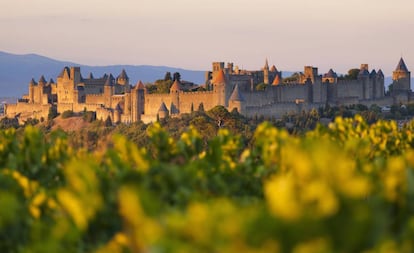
16 71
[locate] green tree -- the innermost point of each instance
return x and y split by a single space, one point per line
52 113
108 122
177 76
352 74
261 86
167 76
6 123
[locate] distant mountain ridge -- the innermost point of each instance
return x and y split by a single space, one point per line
16 71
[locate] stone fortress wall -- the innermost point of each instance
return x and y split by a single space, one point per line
227 86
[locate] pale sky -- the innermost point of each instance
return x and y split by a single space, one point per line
191 34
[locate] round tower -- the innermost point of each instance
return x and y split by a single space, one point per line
32 85
219 87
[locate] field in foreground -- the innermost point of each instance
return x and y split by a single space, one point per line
348 187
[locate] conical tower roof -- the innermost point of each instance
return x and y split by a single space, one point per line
219 77
90 76
123 75
373 73
140 85
379 73
51 81
163 108
273 69
331 74
176 86
109 80
236 95
277 80
64 70
33 82
42 80
401 66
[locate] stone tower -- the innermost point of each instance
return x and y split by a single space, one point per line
363 77
220 87
217 66
401 77
32 87
123 79
108 91
137 101
175 97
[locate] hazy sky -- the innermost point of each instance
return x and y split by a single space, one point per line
193 33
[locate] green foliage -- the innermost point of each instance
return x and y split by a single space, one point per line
351 75
52 113
177 76
6 123
108 122
294 78
261 86
167 76
31 122
185 193
67 114
89 116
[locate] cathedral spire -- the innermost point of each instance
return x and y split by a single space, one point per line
266 66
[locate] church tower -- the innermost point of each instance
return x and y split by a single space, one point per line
266 73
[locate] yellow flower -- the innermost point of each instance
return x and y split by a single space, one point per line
281 197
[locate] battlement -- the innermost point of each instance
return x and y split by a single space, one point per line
113 96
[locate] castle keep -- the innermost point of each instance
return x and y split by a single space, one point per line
228 86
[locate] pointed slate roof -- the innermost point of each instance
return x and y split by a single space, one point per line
219 77
373 73
163 108
140 85
51 81
33 82
42 80
277 80
363 72
65 69
273 69
401 66
123 75
331 74
109 80
236 95
176 86
379 73
90 76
